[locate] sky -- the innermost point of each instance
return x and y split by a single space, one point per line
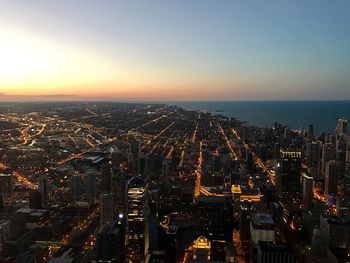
174 50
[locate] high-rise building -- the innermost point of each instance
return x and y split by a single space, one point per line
246 209
341 126
6 185
106 208
201 249
119 189
106 176
35 200
288 175
143 164
4 230
110 242
334 231
331 178
210 217
75 183
311 131
269 252
138 219
135 149
313 154
1 201
308 183
328 153
262 228
166 171
90 181
44 190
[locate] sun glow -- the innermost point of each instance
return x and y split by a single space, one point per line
36 65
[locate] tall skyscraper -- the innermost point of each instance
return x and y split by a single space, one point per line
138 219
313 153
246 209
334 231
90 181
166 171
331 178
342 126
44 190
106 176
135 149
119 189
211 216
110 243
288 176
328 153
35 200
308 182
6 186
75 183
106 208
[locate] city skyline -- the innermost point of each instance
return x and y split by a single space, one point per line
162 50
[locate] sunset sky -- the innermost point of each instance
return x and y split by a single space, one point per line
174 50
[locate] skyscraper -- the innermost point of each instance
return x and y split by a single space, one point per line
90 180
75 183
288 181
119 186
35 200
6 185
331 178
106 208
307 190
44 190
110 243
138 217
106 176
328 153
341 126
313 155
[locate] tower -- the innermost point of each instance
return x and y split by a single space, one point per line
341 126
138 217
331 178
44 190
106 176
75 183
307 190
288 181
106 208
90 186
